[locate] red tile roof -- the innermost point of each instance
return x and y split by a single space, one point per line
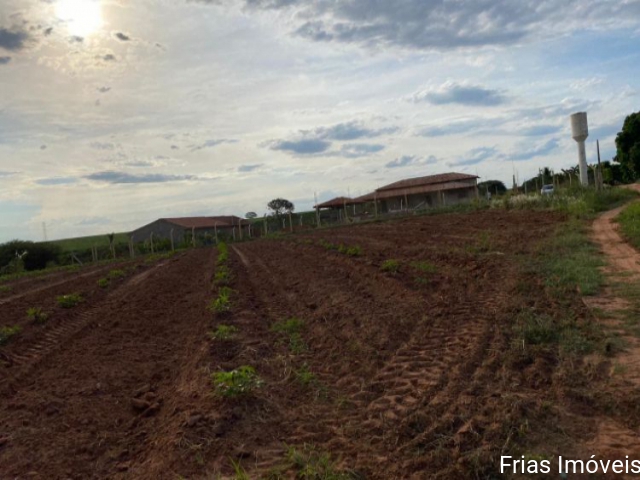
428 180
438 187
335 202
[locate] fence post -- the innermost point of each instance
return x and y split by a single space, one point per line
172 247
290 222
266 228
151 242
215 229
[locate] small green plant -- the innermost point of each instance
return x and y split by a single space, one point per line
354 251
305 376
292 328
424 267
224 333
222 275
115 274
5 288
36 315
222 303
239 382
310 463
70 301
391 266
239 472
103 282
223 253
7 333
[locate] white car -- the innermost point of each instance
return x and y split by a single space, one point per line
546 190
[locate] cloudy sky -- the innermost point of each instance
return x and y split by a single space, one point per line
114 112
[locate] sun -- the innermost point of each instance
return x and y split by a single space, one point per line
82 17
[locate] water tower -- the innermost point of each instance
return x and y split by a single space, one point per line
580 132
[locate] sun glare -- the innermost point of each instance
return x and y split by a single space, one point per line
82 17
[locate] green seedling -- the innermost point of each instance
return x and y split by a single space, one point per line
224 333
239 382
36 315
7 333
70 301
391 266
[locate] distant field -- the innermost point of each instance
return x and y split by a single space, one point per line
82 243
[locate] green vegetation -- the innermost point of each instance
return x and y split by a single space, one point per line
569 259
7 333
424 267
5 288
312 464
70 301
239 382
391 266
629 221
305 376
224 333
37 257
85 243
103 282
115 274
223 253
628 145
577 202
222 275
352 251
540 331
292 329
37 315
222 303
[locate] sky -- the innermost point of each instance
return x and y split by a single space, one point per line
114 113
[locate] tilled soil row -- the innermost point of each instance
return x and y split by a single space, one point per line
91 409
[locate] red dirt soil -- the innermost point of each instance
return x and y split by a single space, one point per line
414 371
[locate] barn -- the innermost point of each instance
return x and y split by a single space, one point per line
183 229
411 194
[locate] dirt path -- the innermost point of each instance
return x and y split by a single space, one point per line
623 265
622 257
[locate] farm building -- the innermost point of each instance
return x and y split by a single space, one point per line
182 229
413 193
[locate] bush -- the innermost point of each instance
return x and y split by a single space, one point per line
239 382
38 257
70 301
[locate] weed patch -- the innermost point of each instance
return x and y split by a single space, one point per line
103 282
629 221
222 303
390 266
7 333
292 330
115 274
235 383
37 315
224 333
70 301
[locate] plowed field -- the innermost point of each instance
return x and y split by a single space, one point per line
403 369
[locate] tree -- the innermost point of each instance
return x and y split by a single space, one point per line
628 144
250 215
495 187
280 206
